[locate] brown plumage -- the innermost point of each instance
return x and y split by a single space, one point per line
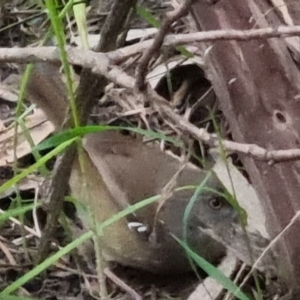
119 171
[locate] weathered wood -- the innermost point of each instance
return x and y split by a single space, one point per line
290 8
258 86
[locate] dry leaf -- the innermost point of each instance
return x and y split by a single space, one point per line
39 128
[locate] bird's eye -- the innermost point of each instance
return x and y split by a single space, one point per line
215 203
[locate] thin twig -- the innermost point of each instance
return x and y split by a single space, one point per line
58 189
90 59
141 70
34 54
270 246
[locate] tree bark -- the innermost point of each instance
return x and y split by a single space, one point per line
258 87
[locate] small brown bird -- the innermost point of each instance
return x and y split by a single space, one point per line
124 171
120 171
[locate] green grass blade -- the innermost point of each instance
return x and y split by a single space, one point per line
147 16
81 131
79 9
17 211
214 272
35 166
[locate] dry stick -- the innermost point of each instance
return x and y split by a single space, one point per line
34 54
122 284
17 222
116 75
100 64
206 36
161 105
141 70
8 254
114 25
58 189
268 248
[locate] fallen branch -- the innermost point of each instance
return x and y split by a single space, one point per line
102 64
34 54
